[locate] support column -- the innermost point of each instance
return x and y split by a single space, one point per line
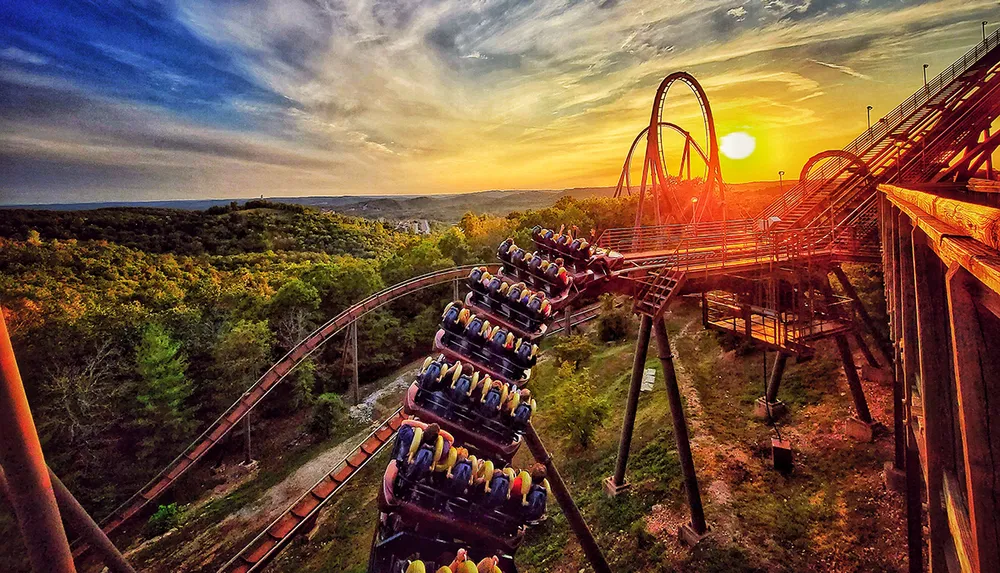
248 459
774 381
859 339
697 527
454 287
935 386
977 371
884 346
355 388
568 318
82 524
895 314
565 500
906 347
853 381
616 483
768 407
28 478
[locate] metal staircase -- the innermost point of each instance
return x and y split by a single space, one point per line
657 290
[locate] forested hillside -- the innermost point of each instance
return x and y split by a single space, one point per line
135 328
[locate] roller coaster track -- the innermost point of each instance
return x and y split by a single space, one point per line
302 513
299 515
262 387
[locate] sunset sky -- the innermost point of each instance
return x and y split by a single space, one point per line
111 100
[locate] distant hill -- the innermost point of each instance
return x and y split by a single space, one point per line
449 208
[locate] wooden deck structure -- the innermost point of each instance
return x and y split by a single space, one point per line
942 269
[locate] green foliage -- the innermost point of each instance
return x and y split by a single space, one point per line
328 411
166 518
452 244
163 390
257 226
579 411
613 323
241 354
574 350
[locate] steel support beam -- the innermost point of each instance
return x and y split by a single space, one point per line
853 381
977 372
680 428
82 524
355 387
632 403
572 512
774 382
28 478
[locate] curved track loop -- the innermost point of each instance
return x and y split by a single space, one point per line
653 169
625 179
851 158
274 375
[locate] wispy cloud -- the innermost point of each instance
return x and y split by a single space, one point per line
842 69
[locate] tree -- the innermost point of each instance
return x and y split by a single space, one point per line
612 324
574 350
579 411
163 390
241 354
292 310
452 245
327 413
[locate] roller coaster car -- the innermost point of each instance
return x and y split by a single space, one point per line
393 554
488 436
441 513
473 351
512 299
577 251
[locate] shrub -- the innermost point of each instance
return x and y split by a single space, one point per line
612 325
574 350
579 412
328 411
166 518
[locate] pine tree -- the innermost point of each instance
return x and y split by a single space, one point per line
163 390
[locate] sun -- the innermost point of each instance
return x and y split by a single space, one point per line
737 145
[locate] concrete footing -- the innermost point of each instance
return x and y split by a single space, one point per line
689 536
613 490
860 431
777 408
895 480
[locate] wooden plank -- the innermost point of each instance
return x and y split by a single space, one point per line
960 526
978 221
984 185
977 374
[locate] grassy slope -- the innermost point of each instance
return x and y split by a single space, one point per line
831 514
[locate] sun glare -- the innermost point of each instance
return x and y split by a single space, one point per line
737 145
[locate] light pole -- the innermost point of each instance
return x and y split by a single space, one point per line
925 75
694 208
781 188
984 29
869 121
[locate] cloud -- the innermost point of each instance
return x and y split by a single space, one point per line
20 56
739 13
842 69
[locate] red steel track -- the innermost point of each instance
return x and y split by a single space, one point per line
274 375
300 514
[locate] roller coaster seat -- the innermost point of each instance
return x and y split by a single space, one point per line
496 436
439 512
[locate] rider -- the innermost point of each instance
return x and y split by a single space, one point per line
538 493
